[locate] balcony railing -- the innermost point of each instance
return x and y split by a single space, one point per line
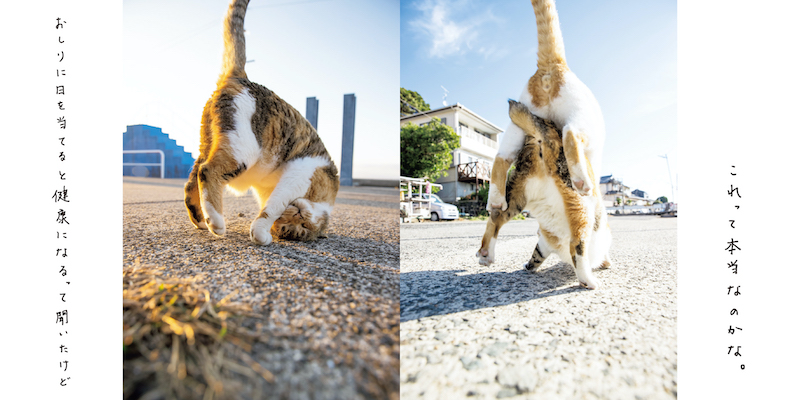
476 171
470 134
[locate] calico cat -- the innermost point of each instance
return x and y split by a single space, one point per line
571 225
556 94
251 138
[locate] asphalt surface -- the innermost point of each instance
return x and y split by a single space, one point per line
329 308
475 332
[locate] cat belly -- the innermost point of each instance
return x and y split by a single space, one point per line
547 206
261 175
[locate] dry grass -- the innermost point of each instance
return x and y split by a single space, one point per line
178 343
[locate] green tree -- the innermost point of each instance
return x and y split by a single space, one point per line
410 98
662 199
426 150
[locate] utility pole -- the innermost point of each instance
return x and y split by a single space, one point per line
670 177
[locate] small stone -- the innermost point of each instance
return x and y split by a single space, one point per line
521 377
441 336
506 393
434 358
494 349
471 363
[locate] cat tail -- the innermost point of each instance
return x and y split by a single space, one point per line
521 116
551 43
234 57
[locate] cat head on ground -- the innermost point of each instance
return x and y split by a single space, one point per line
303 221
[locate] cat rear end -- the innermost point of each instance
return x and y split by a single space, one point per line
573 226
251 138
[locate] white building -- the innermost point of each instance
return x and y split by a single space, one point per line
614 192
472 161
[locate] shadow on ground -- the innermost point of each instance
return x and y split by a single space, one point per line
430 293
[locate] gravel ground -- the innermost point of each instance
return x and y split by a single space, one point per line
330 307
500 331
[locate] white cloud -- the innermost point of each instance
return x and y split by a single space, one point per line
448 34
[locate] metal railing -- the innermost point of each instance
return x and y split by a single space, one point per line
159 164
474 171
471 134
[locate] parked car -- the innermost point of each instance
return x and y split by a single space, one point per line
439 209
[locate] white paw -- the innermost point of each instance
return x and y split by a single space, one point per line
580 181
259 232
589 283
214 221
496 200
485 257
217 228
582 186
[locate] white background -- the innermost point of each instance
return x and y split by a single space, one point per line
738 104
31 283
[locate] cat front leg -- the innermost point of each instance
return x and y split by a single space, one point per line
513 140
294 181
497 186
575 143
486 253
496 221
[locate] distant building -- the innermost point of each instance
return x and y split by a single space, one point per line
177 162
639 198
614 191
472 161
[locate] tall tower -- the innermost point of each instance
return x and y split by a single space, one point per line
348 133
312 110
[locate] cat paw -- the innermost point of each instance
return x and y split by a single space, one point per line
605 264
496 200
259 232
199 224
590 284
531 267
215 227
485 257
582 186
214 221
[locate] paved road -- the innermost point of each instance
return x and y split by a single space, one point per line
330 307
499 331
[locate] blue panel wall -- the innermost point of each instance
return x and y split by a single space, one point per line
177 162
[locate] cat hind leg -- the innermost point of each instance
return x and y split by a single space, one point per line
192 199
540 254
583 269
575 152
212 177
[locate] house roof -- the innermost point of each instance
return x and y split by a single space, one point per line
456 106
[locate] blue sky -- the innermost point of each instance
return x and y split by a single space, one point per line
301 48
483 52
